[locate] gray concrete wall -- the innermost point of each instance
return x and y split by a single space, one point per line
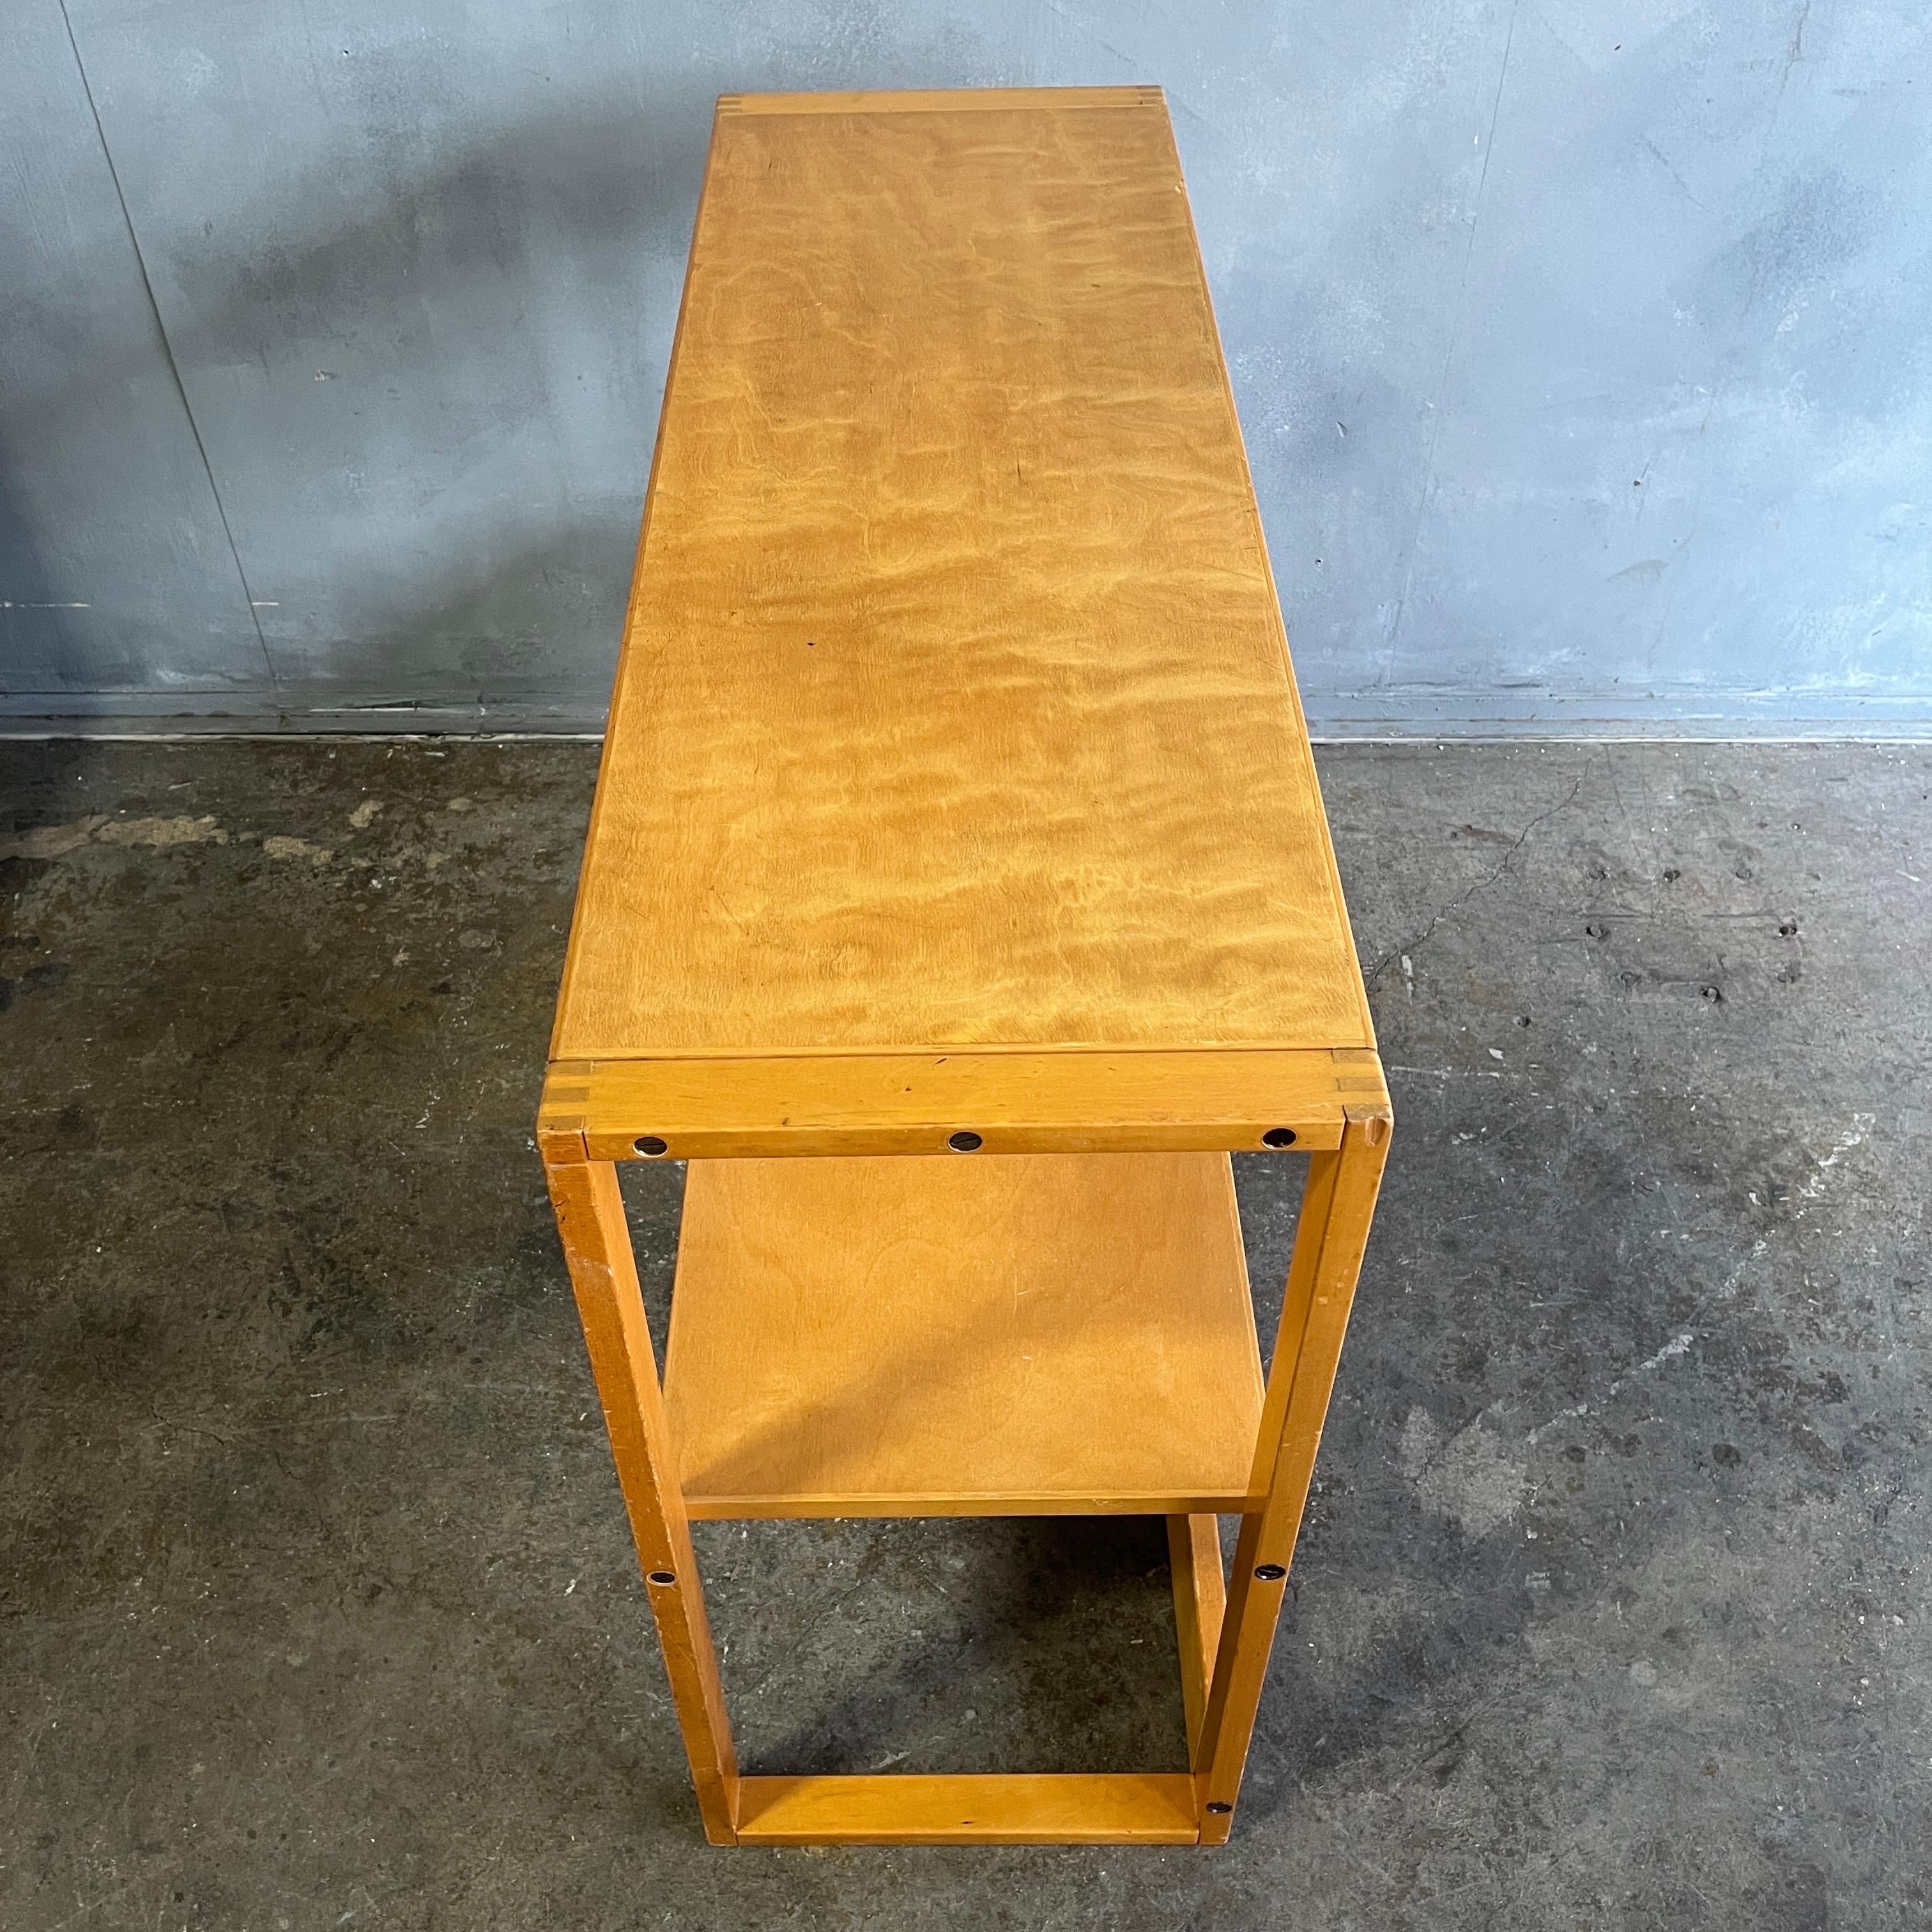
1581 347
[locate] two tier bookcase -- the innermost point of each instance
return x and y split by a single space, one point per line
958 898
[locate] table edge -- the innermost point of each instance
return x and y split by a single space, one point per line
941 100
958 1103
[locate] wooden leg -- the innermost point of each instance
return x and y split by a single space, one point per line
590 1218
1200 1595
1337 1207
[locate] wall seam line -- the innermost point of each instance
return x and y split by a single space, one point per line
168 352
1449 356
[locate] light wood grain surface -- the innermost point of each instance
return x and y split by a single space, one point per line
1054 1334
704 1108
941 100
1116 1808
955 706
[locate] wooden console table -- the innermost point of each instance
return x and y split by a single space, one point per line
958 895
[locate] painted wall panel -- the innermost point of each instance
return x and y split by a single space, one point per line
115 573
1580 347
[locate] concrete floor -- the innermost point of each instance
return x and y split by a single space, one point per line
319 1605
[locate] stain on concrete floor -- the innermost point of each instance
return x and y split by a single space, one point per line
316 1602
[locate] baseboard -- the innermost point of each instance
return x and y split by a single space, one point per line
221 714
1405 714
1389 717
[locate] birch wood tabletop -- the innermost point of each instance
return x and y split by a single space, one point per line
955 709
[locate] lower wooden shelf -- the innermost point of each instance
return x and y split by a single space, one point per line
1118 1808
995 1335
